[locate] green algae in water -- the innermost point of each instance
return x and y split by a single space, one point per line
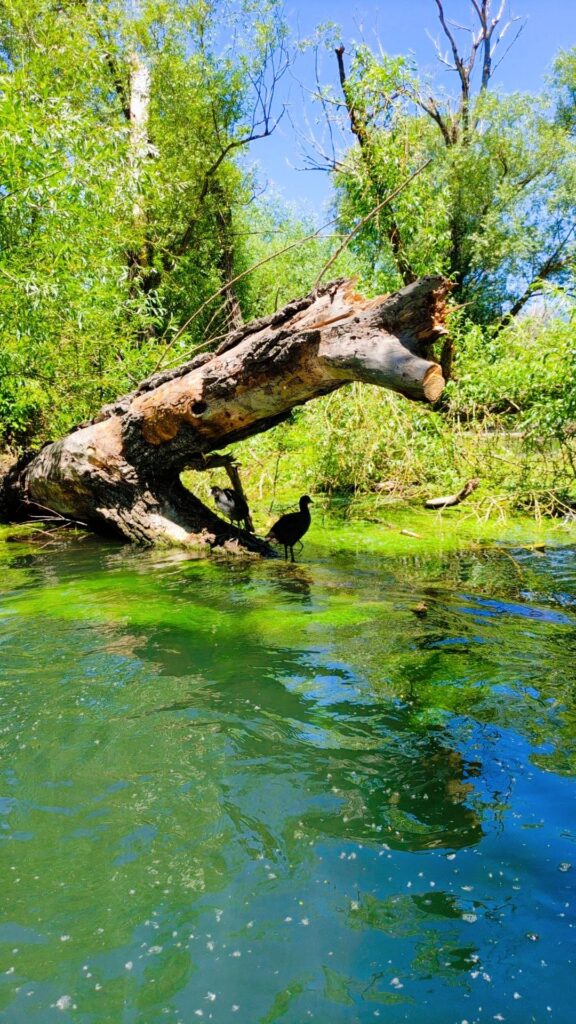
264 792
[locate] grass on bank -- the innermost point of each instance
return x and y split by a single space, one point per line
366 451
370 459
508 418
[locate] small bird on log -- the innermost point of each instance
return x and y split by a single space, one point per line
291 527
230 504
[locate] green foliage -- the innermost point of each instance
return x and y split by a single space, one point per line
273 283
509 418
110 240
114 246
494 210
564 82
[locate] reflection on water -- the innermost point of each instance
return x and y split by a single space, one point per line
270 792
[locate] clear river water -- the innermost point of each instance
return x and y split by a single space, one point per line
258 792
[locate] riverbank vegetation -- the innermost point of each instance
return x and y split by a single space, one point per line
134 231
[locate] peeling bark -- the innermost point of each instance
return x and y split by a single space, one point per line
120 473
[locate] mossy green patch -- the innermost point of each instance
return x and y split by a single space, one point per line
404 530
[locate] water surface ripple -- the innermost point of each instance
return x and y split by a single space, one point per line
266 792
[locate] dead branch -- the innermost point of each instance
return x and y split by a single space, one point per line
447 500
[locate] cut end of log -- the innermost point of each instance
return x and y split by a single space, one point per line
433 384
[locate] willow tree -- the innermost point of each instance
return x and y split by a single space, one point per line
120 191
494 210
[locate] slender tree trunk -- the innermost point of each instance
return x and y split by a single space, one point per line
143 276
389 224
139 144
138 110
225 231
121 473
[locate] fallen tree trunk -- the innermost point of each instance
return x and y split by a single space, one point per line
121 472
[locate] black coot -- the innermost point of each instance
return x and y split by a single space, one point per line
291 527
230 504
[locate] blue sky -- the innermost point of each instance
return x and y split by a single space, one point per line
399 26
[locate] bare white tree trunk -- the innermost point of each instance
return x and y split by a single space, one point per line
139 101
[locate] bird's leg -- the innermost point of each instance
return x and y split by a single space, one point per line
285 552
292 553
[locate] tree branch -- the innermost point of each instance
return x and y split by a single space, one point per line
553 265
429 107
483 39
181 246
463 71
358 127
262 126
119 84
368 217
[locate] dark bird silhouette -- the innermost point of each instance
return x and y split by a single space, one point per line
291 527
230 504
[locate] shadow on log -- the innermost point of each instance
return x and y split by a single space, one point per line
120 474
